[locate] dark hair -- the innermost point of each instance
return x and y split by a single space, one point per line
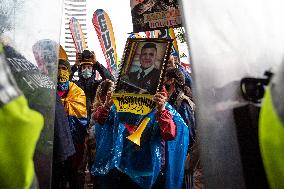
176 74
86 54
149 45
180 81
105 85
187 91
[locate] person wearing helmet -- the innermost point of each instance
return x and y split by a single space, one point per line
88 65
74 101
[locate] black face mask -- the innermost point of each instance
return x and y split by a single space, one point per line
167 86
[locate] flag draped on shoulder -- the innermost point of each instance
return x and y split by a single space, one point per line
75 102
75 107
103 27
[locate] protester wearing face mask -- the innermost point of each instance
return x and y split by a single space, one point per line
88 65
74 102
180 98
87 70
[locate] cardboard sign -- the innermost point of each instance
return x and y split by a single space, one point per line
141 104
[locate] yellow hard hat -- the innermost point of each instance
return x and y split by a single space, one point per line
62 54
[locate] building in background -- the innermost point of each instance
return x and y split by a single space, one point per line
77 9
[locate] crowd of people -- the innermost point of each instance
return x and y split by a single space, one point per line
90 143
90 134
95 141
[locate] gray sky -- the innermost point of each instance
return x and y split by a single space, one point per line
119 13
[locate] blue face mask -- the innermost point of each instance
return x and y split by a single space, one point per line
87 73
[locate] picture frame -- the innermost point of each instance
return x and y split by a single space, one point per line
143 65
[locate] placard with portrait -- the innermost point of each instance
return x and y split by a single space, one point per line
143 65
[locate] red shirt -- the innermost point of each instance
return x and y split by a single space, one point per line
165 119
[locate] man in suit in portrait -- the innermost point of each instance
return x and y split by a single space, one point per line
147 76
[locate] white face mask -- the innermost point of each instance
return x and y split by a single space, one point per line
87 73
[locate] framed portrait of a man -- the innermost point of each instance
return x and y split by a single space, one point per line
143 65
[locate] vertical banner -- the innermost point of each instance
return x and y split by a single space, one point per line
154 14
77 35
103 27
171 34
